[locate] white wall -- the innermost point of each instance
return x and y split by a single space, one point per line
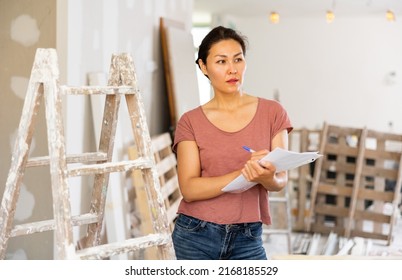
96 29
327 72
90 32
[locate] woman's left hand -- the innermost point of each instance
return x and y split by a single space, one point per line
262 172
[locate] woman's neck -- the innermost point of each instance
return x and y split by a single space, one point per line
229 101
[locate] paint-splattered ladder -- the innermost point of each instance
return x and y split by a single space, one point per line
44 83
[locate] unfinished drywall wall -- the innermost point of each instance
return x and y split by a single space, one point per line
85 34
24 27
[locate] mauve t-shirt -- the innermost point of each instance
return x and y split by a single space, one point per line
221 152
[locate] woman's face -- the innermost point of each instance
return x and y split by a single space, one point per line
225 66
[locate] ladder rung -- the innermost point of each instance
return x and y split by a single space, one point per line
140 163
277 199
276 231
78 158
91 90
111 249
46 225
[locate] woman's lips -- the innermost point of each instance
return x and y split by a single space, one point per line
232 81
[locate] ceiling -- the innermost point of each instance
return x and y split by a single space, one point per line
298 7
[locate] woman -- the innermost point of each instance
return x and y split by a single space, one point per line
209 141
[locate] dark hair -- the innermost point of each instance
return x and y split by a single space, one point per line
216 35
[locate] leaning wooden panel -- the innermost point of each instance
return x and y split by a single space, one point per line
334 179
300 179
166 167
375 202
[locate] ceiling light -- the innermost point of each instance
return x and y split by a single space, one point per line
274 17
329 16
390 16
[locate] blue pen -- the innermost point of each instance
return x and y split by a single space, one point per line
248 149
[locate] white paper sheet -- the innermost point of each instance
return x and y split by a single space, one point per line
282 159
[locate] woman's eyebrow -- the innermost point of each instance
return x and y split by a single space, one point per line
224 55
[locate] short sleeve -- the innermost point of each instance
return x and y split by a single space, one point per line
184 131
282 120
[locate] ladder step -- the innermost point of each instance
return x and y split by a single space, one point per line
278 199
129 245
275 231
91 90
140 163
170 187
46 225
75 158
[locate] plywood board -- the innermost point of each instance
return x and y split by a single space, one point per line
180 68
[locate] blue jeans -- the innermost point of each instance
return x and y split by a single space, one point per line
194 239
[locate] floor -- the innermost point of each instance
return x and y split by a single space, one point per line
276 245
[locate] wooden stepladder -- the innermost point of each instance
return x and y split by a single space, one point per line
44 83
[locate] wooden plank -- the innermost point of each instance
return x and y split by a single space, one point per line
371 235
121 166
330 245
376 195
18 162
379 172
356 183
95 90
359 248
161 141
99 191
302 183
46 225
280 209
385 136
172 211
74 158
169 74
346 248
332 210
378 154
170 187
316 177
166 164
334 190
313 248
345 151
327 229
342 167
179 68
372 216
107 250
60 190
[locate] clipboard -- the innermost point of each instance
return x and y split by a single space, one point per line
282 159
